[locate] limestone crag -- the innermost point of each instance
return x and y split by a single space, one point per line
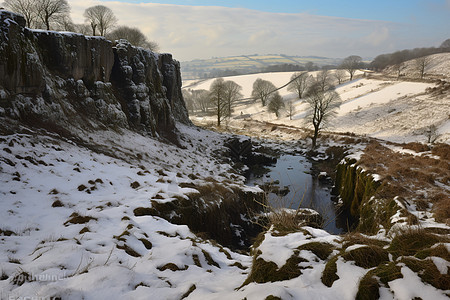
63 81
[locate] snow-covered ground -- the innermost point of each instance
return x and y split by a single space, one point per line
399 111
68 227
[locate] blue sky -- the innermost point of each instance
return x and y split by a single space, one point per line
387 10
335 28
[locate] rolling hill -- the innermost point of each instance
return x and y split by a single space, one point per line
376 105
248 63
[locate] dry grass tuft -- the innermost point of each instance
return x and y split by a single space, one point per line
76 218
417 147
442 150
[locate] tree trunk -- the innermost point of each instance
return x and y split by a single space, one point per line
314 138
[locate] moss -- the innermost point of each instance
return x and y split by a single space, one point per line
135 184
376 212
321 250
367 256
75 218
388 272
264 271
411 242
128 250
196 260
329 274
57 203
84 230
369 288
147 244
351 239
210 260
428 272
272 297
191 289
172 267
439 251
144 211
354 187
239 265
227 254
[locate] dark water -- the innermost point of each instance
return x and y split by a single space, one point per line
305 191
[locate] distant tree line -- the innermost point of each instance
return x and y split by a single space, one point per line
397 58
55 15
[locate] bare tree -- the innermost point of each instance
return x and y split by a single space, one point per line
399 68
201 99
291 109
217 96
351 64
132 35
432 133
310 66
49 11
82 28
300 83
64 23
100 18
339 74
189 100
27 8
422 64
262 89
275 103
323 106
323 80
232 94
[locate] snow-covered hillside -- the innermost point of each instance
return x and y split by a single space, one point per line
438 67
394 110
76 223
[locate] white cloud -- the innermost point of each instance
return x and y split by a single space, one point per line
378 36
191 32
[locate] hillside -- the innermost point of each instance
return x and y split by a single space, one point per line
438 67
248 63
385 108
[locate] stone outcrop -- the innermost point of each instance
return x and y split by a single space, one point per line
62 81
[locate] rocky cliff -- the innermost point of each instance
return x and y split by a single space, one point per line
65 81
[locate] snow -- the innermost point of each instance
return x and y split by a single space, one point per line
87 261
397 111
61 261
411 286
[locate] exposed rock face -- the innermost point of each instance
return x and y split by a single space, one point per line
62 81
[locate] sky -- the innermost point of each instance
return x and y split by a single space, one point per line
203 29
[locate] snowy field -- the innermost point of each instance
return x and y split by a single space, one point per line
399 111
68 228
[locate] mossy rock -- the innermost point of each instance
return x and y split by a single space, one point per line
438 251
367 256
329 275
264 271
388 272
369 288
321 250
428 272
411 242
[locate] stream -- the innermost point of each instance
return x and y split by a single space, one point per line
297 187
